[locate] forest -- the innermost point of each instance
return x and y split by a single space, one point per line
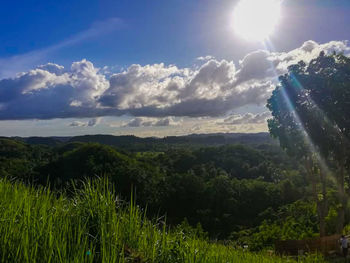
243 193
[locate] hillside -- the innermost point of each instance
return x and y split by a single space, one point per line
133 143
251 195
94 226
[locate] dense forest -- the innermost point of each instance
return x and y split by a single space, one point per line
242 192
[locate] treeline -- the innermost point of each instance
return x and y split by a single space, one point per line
234 192
133 143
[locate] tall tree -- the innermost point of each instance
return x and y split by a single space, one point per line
329 88
287 127
312 103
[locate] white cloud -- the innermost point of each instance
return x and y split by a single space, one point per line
91 123
78 124
205 58
52 68
309 50
42 94
256 65
248 118
158 90
155 91
152 122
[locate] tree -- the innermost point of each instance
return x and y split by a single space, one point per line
287 127
328 85
311 119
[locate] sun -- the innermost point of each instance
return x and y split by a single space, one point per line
256 20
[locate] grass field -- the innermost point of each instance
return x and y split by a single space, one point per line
38 225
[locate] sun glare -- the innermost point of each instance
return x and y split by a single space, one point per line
256 19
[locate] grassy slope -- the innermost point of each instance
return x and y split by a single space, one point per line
36 225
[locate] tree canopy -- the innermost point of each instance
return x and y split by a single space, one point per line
311 118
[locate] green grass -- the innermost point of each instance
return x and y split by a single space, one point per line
37 225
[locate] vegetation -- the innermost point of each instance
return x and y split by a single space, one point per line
92 226
244 195
310 110
225 188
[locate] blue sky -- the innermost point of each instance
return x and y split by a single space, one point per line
174 31
117 34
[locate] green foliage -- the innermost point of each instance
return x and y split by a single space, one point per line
222 188
18 159
295 221
93 160
310 117
135 144
91 226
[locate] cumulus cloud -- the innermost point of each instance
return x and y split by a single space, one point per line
78 124
261 64
152 122
205 58
160 90
256 65
52 68
43 93
155 91
248 118
91 123
309 50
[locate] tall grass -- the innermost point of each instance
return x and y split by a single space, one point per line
37 225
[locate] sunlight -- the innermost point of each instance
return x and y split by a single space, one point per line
256 20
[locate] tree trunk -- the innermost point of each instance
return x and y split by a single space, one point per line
322 227
342 197
321 205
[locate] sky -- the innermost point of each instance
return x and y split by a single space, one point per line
152 68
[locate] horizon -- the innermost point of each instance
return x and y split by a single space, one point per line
165 68
147 137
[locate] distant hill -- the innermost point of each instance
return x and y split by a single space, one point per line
49 141
222 138
134 143
193 139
